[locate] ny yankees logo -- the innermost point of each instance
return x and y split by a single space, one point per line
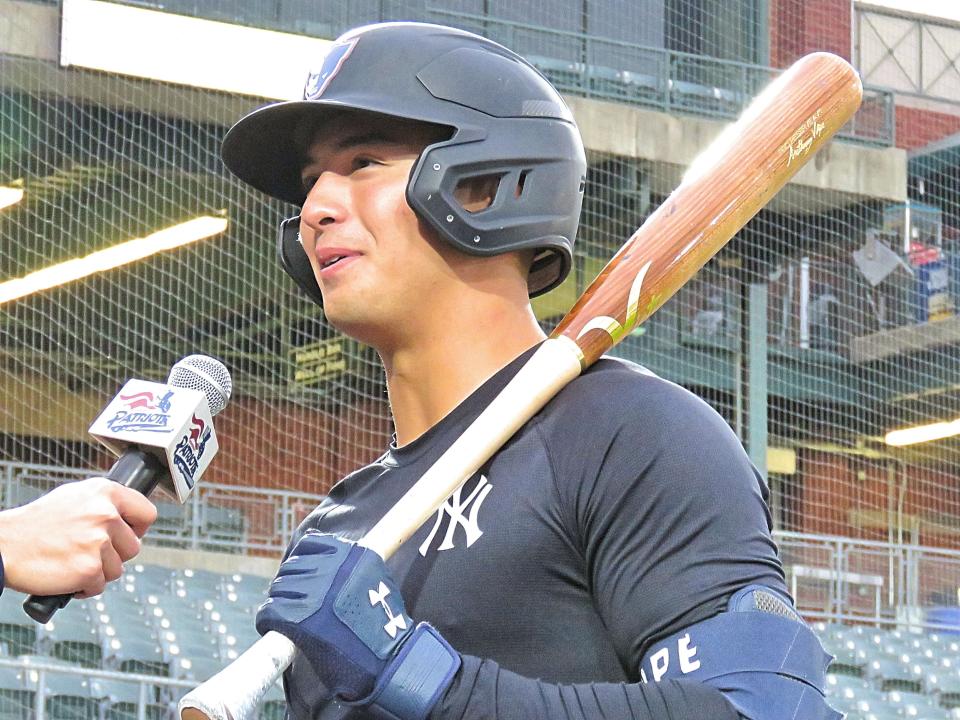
395 622
455 509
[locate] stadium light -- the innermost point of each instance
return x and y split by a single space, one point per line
111 257
10 195
922 433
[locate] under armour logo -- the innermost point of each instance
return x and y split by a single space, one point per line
456 510
396 622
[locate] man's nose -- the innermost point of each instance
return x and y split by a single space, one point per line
326 202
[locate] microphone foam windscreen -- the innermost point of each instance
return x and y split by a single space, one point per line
206 374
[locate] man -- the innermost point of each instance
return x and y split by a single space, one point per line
74 539
620 536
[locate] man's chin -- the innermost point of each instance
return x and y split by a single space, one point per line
356 321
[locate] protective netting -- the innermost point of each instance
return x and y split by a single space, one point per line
837 305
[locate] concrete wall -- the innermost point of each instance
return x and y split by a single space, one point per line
843 174
222 563
846 173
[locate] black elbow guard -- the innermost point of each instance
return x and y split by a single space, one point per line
759 653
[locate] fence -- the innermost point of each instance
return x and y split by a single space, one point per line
832 577
43 689
845 580
223 518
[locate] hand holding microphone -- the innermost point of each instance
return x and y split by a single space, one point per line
74 538
163 434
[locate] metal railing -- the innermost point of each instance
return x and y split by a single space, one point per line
839 579
218 517
834 578
88 692
911 54
577 63
661 78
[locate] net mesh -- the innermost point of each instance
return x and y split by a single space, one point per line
843 291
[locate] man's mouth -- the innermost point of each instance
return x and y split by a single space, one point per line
331 261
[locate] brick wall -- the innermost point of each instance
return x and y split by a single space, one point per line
798 27
917 127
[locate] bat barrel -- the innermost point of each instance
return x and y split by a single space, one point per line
725 186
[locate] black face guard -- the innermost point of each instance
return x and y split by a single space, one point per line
294 259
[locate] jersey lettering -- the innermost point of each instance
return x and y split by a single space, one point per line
660 660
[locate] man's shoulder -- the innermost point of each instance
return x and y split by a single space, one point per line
615 391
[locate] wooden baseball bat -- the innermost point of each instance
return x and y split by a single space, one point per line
723 188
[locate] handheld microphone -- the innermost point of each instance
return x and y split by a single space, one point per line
163 435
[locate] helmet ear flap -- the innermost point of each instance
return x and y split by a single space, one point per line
294 259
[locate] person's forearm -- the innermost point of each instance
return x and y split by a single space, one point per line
482 690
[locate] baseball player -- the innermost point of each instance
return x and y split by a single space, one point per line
614 558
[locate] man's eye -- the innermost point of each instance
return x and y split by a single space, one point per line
362 161
309 182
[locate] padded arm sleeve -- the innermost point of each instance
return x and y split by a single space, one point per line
483 690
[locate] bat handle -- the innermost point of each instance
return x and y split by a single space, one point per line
259 667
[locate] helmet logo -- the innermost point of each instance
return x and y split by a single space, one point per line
318 81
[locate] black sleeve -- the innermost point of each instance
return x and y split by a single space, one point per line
671 520
670 513
484 691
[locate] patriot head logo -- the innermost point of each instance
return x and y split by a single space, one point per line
318 81
189 451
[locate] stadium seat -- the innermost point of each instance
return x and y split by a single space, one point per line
254 583
947 688
871 710
16 700
67 696
897 674
171 519
72 636
846 687
235 642
197 669
224 524
274 704
193 647
123 699
136 652
850 657
148 580
17 631
911 704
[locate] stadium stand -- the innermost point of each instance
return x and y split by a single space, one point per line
156 626
165 625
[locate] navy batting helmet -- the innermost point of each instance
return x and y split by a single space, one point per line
506 121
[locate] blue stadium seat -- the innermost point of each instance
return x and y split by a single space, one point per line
122 699
850 656
274 704
16 700
197 669
67 696
17 631
846 688
72 636
192 647
911 704
947 688
897 674
136 651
